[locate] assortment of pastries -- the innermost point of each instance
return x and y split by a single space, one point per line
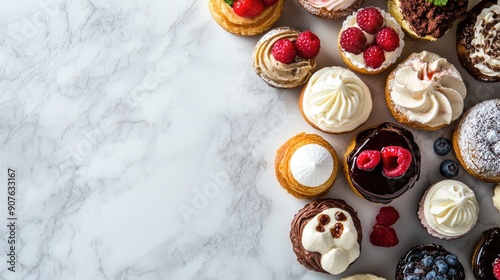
381 163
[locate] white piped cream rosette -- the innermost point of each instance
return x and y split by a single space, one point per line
306 166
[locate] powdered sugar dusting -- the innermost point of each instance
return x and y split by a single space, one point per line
479 148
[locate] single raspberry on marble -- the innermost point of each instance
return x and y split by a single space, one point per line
370 20
384 237
387 216
307 44
353 40
248 8
395 161
388 39
368 159
284 51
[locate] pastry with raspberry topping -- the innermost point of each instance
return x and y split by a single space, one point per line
285 57
486 257
246 17
370 40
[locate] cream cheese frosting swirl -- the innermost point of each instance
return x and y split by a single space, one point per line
486 55
451 208
427 89
331 5
276 73
335 100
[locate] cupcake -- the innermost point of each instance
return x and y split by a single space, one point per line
246 17
477 41
363 277
448 210
382 163
429 261
326 236
279 59
335 100
476 141
486 256
306 166
425 92
330 9
427 20
370 40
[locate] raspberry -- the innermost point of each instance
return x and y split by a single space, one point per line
370 20
374 56
248 8
388 39
269 3
353 40
395 161
307 45
496 269
384 237
368 159
284 51
387 216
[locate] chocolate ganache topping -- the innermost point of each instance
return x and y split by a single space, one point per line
373 185
312 260
486 253
425 18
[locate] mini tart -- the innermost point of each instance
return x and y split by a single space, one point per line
448 209
326 236
330 9
476 47
373 185
414 263
425 92
306 166
363 277
223 14
476 141
335 100
485 254
356 61
424 20
275 73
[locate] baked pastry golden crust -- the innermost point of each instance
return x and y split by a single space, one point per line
425 91
306 166
275 73
476 141
477 48
223 14
331 9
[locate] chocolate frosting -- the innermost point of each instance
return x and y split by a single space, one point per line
312 260
486 253
425 18
373 185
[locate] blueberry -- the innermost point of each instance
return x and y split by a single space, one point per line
431 275
452 272
442 266
428 261
451 259
412 277
442 146
419 271
448 168
441 277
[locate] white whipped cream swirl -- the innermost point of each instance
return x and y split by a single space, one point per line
337 252
331 5
451 208
428 89
486 55
336 100
312 165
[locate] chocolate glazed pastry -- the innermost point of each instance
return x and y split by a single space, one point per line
312 260
373 185
485 254
477 42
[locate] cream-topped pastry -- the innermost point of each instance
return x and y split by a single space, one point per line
331 5
330 9
275 73
335 100
496 197
332 233
425 91
486 55
448 209
306 166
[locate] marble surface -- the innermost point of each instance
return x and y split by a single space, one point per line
144 143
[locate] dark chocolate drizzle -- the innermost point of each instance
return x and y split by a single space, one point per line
373 185
487 251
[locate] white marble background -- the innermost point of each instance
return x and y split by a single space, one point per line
143 145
